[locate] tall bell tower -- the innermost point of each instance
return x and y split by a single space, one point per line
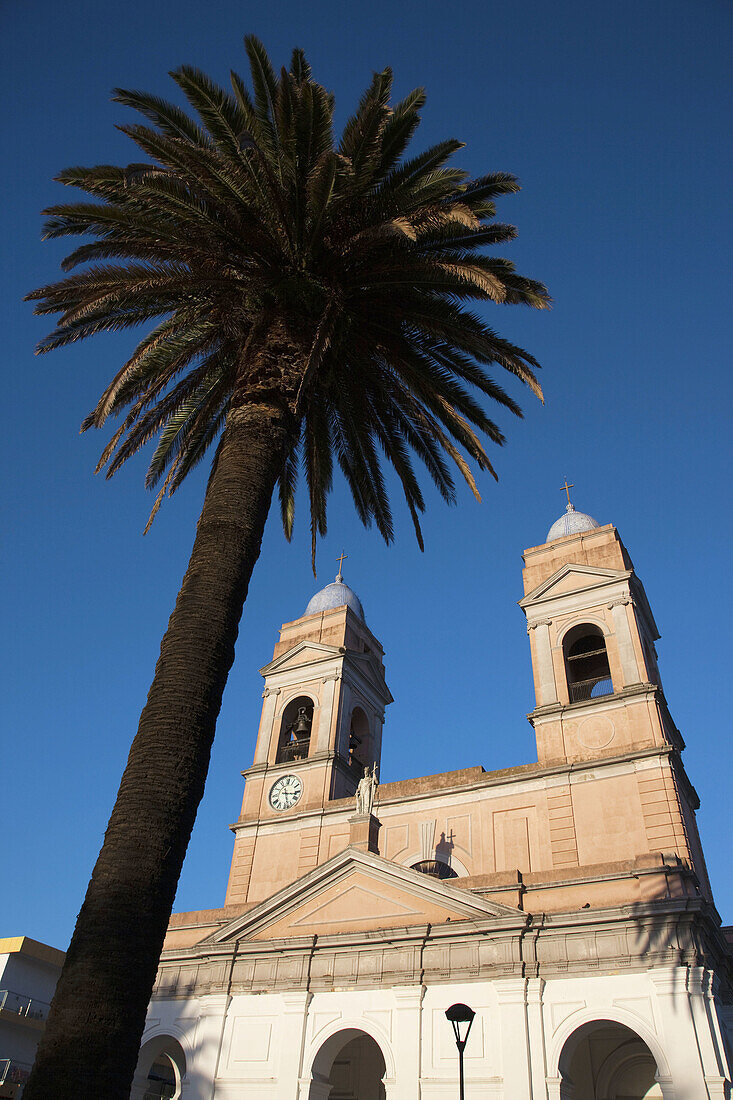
597 685
592 636
321 725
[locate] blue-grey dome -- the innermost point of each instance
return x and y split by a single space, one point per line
572 523
335 594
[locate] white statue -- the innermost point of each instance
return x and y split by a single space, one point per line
367 790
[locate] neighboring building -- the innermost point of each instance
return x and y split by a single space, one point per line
28 974
566 901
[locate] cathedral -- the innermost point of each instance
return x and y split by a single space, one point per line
566 901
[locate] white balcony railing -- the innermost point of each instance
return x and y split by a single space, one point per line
13 1072
19 1005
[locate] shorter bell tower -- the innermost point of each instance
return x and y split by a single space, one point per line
321 725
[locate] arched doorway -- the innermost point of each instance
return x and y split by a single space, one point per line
161 1068
163 1079
604 1060
349 1066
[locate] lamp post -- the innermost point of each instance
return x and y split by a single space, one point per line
461 1017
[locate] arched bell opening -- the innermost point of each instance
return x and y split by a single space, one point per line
161 1069
295 730
605 1060
349 1066
586 663
360 749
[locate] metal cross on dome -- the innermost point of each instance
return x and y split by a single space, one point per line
339 575
567 488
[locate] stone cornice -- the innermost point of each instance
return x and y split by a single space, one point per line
603 702
455 931
534 776
669 933
462 903
321 651
327 663
581 536
325 756
335 613
596 576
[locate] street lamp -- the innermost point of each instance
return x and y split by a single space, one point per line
461 1017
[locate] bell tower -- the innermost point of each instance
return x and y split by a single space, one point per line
592 636
321 725
598 691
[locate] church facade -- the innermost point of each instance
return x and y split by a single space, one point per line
565 901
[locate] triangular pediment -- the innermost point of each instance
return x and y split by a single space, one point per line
573 577
372 671
355 892
307 653
303 653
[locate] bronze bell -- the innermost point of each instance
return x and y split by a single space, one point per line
302 727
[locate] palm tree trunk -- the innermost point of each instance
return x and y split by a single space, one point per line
92 1039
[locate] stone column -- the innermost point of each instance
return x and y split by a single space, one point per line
543 657
704 1017
293 1026
679 1039
328 716
201 1074
512 997
718 1015
627 657
406 1043
314 1088
267 721
536 1033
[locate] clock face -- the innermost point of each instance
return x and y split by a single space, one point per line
285 792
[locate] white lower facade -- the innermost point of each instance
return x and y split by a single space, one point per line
629 1036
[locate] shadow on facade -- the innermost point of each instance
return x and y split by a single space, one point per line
678 942
169 1068
605 1060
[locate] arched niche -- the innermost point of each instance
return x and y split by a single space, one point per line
350 1064
436 868
161 1069
437 859
587 671
606 1060
296 725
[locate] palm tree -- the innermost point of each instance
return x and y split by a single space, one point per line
309 301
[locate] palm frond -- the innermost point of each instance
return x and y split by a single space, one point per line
171 120
218 111
276 262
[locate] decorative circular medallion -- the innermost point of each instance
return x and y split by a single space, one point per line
596 732
285 792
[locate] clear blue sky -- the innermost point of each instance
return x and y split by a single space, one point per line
616 117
